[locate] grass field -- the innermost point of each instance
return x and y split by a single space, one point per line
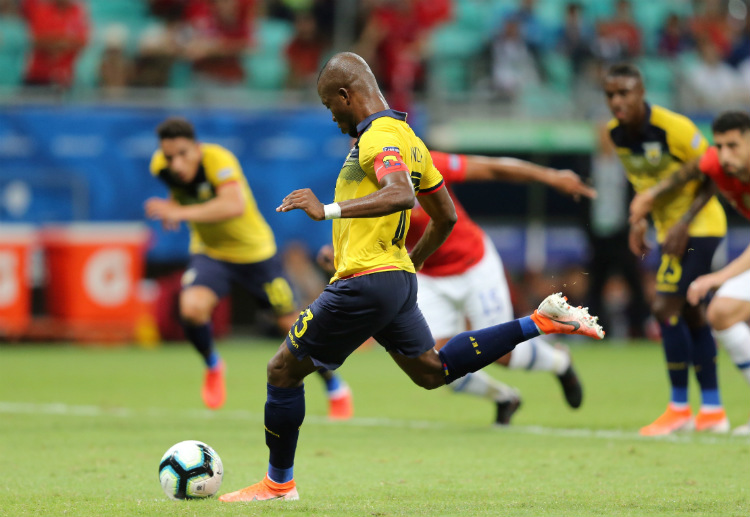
83 430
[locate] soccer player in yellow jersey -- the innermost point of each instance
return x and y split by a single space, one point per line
374 289
653 143
230 242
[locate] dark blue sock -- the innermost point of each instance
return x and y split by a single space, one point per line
677 341
201 336
471 351
333 381
284 414
704 363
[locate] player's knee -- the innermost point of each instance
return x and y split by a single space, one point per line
195 313
663 310
278 374
721 314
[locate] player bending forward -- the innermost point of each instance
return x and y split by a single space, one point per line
374 290
727 164
230 242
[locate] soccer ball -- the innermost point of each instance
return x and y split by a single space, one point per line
190 470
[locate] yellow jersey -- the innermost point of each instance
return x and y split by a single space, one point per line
243 239
386 144
665 142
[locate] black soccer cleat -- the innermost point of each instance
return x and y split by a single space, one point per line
571 387
506 410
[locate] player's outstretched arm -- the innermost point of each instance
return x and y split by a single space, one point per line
396 193
442 212
485 168
643 202
228 204
699 288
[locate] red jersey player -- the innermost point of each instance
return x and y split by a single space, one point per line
465 280
727 164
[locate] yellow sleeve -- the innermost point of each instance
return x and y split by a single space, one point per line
221 166
685 140
431 178
158 162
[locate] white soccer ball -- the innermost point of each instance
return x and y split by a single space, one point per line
190 470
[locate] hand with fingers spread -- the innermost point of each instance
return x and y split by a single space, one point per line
303 199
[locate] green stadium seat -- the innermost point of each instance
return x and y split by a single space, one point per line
272 36
454 41
266 72
658 73
13 47
558 70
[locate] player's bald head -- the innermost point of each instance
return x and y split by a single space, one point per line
349 71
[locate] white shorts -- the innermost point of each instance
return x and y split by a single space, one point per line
737 287
479 295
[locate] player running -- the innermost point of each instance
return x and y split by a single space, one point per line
464 279
653 143
727 164
374 290
230 242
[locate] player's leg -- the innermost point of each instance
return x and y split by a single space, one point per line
205 281
488 303
441 300
267 282
324 335
728 313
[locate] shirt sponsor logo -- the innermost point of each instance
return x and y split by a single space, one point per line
391 150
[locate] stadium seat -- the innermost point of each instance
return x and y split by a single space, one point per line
13 46
272 36
265 72
558 70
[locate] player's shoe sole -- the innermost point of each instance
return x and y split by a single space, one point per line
712 421
214 390
556 316
671 421
266 490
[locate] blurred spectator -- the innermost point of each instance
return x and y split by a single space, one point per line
59 31
158 49
393 42
8 8
712 23
169 10
304 52
674 37
606 46
533 31
222 33
513 64
115 68
710 83
740 43
623 29
576 37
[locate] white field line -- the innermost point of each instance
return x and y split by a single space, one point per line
25 408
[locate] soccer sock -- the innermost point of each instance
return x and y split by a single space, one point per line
284 413
704 364
538 355
201 336
676 339
471 351
335 385
736 341
482 385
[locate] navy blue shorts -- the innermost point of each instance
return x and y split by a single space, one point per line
349 311
675 274
265 280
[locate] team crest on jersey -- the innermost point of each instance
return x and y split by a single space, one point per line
390 161
652 152
204 191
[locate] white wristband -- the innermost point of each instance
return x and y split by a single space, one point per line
332 211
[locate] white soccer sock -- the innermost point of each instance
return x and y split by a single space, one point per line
482 385
538 355
736 341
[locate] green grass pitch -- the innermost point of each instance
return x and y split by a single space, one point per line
83 430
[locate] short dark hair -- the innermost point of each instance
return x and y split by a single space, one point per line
730 120
175 127
624 70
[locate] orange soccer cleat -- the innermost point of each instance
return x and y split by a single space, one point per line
670 421
555 316
214 390
266 490
715 421
341 405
